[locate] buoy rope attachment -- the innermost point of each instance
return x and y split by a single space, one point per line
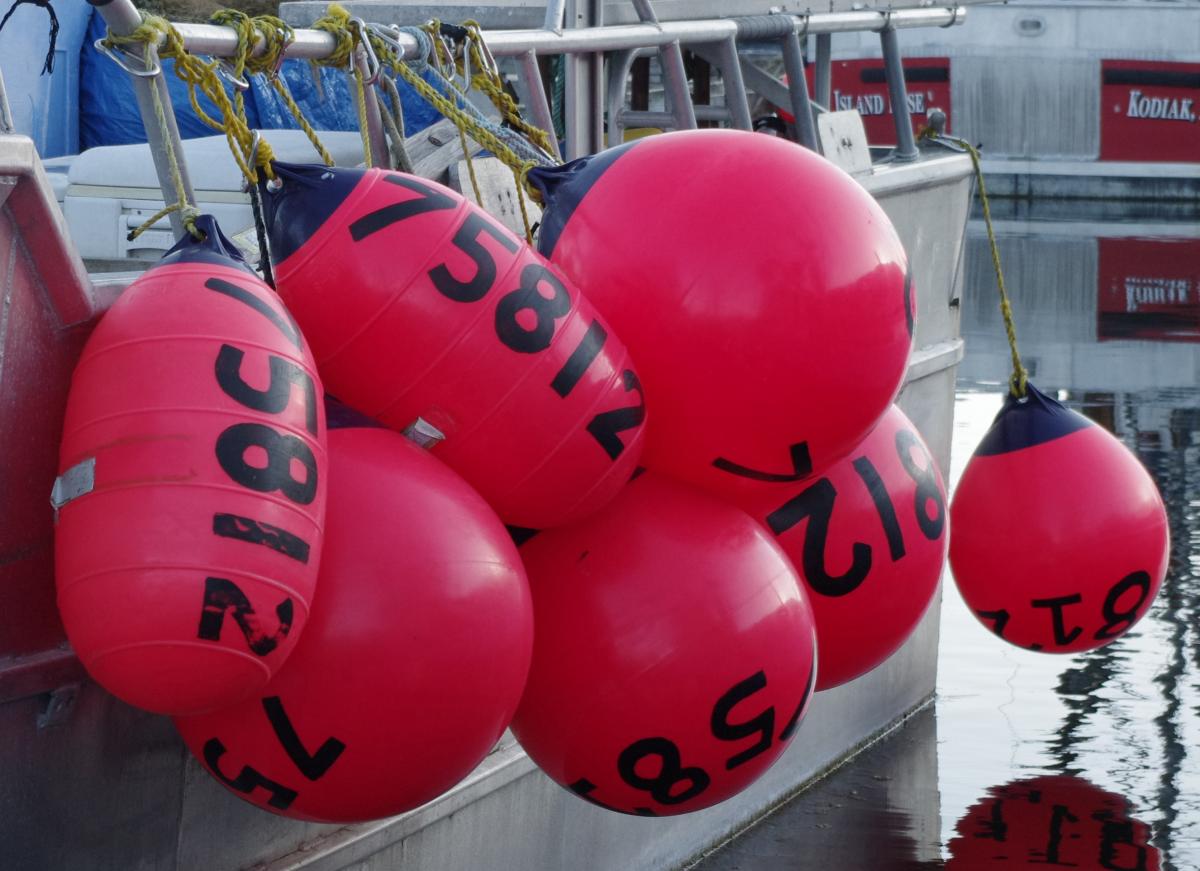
447 51
276 35
147 34
248 33
348 34
1019 378
251 153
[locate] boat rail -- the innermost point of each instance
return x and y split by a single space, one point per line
590 95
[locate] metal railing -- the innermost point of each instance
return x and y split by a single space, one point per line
590 95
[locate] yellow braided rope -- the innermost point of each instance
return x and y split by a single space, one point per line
462 137
277 35
336 22
461 119
489 82
518 178
1020 375
202 76
188 211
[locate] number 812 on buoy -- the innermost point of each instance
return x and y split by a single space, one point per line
421 308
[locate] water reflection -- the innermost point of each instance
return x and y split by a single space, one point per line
1107 317
1052 820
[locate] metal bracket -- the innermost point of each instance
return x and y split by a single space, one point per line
58 705
121 58
6 121
373 69
423 433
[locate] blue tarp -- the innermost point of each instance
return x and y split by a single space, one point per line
108 112
44 106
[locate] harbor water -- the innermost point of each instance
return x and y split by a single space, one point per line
1023 759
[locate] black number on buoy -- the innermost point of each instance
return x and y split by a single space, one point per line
430 200
257 532
816 503
584 789
273 400
581 358
281 450
248 779
801 467
883 505
1123 619
546 310
282 320
762 725
221 594
1057 605
794 720
466 240
927 485
670 773
998 619
311 765
605 425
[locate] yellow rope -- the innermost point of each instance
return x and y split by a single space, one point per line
461 119
336 22
518 178
188 211
360 93
488 81
394 121
276 35
249 153
1020 375
462 137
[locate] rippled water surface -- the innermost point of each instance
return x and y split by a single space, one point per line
1028 760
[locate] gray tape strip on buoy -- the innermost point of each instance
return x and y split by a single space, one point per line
424 433
77 481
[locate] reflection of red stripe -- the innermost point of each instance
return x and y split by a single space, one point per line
1149 289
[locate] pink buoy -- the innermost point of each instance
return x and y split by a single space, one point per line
431 317
414 659
191 498
868 538
674 654
764 294
1060 539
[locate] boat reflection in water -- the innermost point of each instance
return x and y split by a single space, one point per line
1054 820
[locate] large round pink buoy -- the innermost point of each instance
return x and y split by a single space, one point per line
428 315
414 658
1060 539
764 294
674 654
191 497
868 538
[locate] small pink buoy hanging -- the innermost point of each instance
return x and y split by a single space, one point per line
1059 535
1060 539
